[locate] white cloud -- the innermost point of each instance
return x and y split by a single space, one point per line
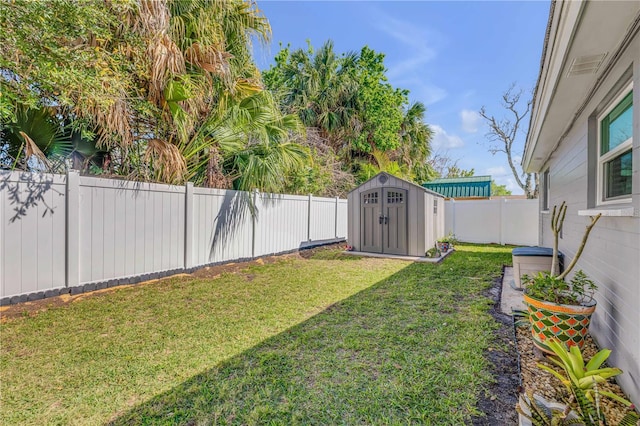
470 120
512 186
498 171
430 94
443 140
419 40
426 93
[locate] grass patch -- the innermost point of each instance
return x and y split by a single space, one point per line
324 340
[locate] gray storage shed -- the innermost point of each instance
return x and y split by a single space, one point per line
393 216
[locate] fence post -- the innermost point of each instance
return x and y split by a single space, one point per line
309 218
188 225
502 215
453 216
253 222
336 220
72 218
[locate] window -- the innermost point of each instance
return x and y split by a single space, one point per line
371 198
615 130
435 206
395 197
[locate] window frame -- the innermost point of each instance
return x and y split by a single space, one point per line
546 190
603 159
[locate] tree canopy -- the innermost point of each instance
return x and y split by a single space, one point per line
162 90
167 90
368 124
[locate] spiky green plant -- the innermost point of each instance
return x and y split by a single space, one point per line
582 381
585 376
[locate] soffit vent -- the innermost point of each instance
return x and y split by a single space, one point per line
586 64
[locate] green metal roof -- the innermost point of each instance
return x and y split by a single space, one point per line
464 187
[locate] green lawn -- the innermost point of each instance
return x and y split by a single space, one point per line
327 340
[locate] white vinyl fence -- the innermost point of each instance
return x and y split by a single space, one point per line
500 221
61 233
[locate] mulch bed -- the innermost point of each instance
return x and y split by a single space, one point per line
498 403
544 384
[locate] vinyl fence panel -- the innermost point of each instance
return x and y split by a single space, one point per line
129 228
75 232
500 221
520 222
32 232
281 223
222 225
322 225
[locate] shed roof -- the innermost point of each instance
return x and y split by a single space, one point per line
428 190
463 187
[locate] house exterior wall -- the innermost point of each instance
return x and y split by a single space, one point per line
612 254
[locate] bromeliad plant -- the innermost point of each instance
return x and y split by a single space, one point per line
582 381
584 376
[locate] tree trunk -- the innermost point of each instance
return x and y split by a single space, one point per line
215 176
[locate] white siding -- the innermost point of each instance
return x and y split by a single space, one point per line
612 254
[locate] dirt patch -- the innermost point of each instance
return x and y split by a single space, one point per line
498 402
19 310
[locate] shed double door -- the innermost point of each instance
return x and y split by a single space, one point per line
384 221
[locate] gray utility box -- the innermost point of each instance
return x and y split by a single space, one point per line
531 260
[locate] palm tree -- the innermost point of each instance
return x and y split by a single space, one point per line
320 89
200 65
254 142
415 146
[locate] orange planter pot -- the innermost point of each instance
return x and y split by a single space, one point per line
567 323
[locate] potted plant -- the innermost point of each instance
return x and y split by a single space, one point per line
557 308
433 252
446 243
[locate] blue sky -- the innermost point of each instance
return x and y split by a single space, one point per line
453 56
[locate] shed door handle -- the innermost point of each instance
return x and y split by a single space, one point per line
386 220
